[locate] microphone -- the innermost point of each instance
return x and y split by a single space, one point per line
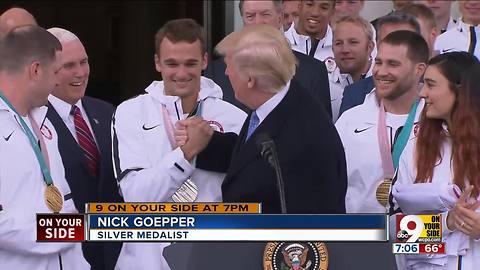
268 151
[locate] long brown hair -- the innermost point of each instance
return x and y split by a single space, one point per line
462 70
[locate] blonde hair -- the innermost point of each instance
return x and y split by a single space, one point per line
359 21
263 53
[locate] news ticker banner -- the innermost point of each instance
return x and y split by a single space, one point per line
174 208
418 234
166 222
257 227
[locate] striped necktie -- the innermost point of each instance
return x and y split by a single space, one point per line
86 141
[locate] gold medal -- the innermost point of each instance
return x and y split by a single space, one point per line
53 198
188 192
383 191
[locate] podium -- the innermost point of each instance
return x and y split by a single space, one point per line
249 255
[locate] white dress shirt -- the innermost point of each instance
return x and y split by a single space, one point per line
63 109
266 108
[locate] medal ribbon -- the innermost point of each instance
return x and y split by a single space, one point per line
43 146
390 160
197 111
47 177
188 192
168 126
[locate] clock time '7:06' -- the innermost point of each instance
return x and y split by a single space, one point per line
418 248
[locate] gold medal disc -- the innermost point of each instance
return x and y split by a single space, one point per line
53 198
383 191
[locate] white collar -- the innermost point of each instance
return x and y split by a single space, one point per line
451 24
345 79
63 108
372 107
266 108
464 27
38 113
291 28
326 41
208 89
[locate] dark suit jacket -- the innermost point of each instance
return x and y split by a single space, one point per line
310 152
355 93
311 74
84 186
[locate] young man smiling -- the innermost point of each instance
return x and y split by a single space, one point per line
149 165
386 115
312 35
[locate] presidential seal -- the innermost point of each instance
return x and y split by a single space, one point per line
295 256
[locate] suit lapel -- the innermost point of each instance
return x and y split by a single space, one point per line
99 126
247 152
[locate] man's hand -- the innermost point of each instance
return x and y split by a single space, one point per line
180 133
192 135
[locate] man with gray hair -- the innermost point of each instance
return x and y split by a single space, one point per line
311 73
290 13
260 66
14 17
31 171
84 140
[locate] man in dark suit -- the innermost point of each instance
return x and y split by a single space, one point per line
84 140
309 149
311 73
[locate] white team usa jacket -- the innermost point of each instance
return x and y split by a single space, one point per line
459 38
22 197
147 168
303 44
357 128
434 197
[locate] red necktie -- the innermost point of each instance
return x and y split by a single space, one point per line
86 141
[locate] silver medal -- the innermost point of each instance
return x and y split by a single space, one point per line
188 192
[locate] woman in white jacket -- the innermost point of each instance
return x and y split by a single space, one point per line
443 161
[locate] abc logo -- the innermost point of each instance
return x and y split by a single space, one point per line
410 228
402 236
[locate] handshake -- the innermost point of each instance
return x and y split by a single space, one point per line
192 135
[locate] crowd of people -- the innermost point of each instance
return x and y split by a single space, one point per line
311 109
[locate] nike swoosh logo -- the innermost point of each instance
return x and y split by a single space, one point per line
361 130
148 128
8 138
447 50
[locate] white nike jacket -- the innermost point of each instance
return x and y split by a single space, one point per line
147 168
432 198
22 197
357 128
459 38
